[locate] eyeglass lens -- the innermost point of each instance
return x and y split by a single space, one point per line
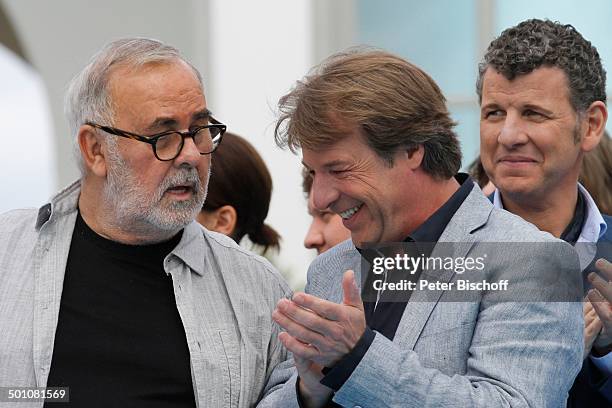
206 140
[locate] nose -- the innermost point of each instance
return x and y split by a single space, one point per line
323 192
189 154
512 132
314 237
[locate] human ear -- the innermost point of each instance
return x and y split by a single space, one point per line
90 145
222 220
227 217
593 125
414 156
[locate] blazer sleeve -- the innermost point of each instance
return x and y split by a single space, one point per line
522 353
280 390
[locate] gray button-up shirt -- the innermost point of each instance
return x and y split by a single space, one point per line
225 296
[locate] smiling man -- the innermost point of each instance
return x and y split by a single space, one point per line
112 289
377 139
326 228
542 91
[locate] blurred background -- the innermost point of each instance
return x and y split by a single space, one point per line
250 53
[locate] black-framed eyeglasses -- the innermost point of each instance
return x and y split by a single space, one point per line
168 145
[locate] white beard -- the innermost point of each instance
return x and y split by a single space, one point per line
139 210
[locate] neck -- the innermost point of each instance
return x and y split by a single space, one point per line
552 215
102 219
433 195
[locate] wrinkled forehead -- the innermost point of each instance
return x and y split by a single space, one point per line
154 73
156 89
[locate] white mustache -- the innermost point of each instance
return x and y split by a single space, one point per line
183 177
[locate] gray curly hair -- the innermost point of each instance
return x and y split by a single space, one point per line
535 43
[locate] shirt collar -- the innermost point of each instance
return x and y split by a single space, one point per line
574 228
594 226
62 203
192 248
497 201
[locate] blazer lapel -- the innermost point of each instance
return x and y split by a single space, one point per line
353 261
471 216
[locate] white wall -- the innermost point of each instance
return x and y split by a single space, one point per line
258 50
27 155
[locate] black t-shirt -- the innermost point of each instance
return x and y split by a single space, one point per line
120 341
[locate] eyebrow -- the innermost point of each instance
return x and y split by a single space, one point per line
538 108
332 163
489 105
203 114
171 123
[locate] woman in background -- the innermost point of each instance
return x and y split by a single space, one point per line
239 193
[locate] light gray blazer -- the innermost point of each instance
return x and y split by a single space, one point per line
478 353
225 296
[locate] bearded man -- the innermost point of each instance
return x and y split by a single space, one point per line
111 290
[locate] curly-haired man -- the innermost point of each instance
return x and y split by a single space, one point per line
542 94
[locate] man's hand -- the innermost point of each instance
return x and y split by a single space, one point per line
601 298
592 326
321 331
312 392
